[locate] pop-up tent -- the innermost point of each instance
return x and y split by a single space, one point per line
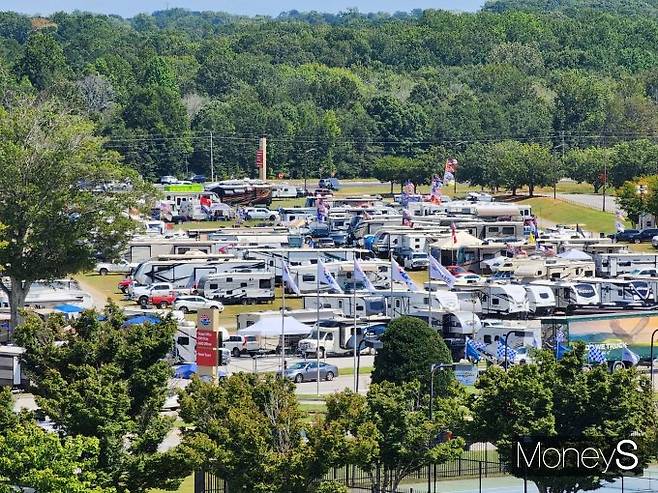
271 326
574 254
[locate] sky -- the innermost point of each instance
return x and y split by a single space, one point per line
128 8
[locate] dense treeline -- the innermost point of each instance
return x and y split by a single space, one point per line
336 92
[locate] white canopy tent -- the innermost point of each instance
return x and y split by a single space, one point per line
271 327
574 254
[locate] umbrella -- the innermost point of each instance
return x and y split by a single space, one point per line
185 370
66 308
574 254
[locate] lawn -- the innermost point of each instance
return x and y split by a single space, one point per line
559 212
103 285
187 486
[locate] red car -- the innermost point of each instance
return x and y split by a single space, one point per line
457 269
163 300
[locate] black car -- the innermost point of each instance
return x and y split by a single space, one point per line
644 235
198 179
625 235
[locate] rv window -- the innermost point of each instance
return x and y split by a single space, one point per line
397 303
265 284
620 292
340 303
183 341
244 284
495 301
508 230
326 305
359 308
383 268
330 337
494 229
543 296
487 339
271 263
308 277
214 286
250 323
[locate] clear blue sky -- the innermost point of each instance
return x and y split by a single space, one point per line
129 8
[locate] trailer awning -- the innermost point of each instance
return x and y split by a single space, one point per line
271 326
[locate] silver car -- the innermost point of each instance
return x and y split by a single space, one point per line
305 371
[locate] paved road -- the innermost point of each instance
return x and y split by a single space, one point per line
590 200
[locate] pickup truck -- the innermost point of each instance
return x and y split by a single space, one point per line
121 266
414 260
141 293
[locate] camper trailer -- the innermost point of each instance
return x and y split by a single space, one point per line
245 320
242 192
238 287
284 191
188 273
500 299
571 295
366 305
624 293
541 300
377 271
275 257
616 264
417 303
337 337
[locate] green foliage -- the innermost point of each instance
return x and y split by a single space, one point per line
51 158
390 433
332 487
105 381
410 347
639 197
43 61
250 431
559 399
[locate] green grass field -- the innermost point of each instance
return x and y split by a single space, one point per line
559 212
187 486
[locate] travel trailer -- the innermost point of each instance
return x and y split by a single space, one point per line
571 295
624 293
275 257
242 192
377 271
541 299
535 267
141 249
284 191
500 299
245 320
616 264
366 305
416 303
238 287
49 294
188 273
337 336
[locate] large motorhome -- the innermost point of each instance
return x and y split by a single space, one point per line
188 273
366 305
418 302
616 264
377 271
338 336
238 287
142 249
571 295
245 320
551 268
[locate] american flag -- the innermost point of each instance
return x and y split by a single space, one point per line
453 231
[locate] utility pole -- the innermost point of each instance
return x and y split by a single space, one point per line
212 161
562 148
262 158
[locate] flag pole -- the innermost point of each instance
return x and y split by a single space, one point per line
317 329
354 329
390 258
283 316
429 287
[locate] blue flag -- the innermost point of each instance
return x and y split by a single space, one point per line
595 355
472 351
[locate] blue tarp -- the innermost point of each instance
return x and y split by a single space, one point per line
66 308
185 370
143 319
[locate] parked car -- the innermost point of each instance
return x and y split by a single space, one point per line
468 278
193 303
162 300
168 180
644 235
624 235
199 179
261 213
654 241
124 284
121 266
457 269
306 371
239 345
329 183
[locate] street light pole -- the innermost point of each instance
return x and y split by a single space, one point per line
506 347
304 167
433 368
651 356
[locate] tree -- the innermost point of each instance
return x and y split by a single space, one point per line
391 168
588 165
557 400
55 223
390 433
410 347
31 457
43 61
633 159
639 197
107 381
250 431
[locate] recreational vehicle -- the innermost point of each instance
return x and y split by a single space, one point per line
188 273
541 299
275 257
245 320
242 192
366 305
377 271
500 299
570 295
337 336
284 191
239 287
616 264
624 293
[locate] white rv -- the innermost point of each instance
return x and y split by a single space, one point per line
366 305
541 300
623 293
377 271
49 294
284 191
570 295
275 257
336 337
245 320
616 264
239 287
501 299
188 273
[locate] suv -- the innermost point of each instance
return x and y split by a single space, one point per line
194 303
329 183
624 235
415 260
644 235
168 180
261 213
239 345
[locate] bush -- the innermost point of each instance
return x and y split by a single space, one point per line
332 487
